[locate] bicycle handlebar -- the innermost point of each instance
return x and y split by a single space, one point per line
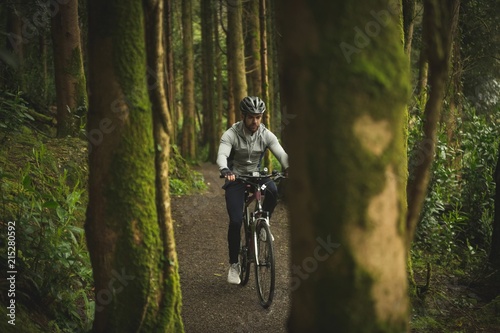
274 176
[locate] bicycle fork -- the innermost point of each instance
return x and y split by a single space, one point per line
256 222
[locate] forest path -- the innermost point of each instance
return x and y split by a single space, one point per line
210 303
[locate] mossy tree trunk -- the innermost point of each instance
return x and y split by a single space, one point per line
128 227
68 67
188 144
348 175
169 313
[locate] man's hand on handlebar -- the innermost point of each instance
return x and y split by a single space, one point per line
228 174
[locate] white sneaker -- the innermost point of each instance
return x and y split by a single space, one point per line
233 276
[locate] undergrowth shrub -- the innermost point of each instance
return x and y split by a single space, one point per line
455 223
53 265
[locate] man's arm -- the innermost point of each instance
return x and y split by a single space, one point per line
225 147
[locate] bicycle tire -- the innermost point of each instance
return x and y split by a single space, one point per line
265 270
244 254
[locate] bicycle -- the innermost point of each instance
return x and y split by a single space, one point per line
256 238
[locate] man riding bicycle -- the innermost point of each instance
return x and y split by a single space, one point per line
241 150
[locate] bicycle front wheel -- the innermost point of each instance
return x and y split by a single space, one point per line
265 270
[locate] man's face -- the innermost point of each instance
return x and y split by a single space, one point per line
252 122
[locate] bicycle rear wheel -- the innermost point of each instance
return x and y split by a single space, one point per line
265 270
244 254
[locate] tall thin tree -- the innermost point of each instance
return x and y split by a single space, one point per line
208 84
188 144
439 26
170 302
68 67
235 52
169 68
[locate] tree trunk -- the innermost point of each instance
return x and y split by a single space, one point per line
264 79
170 303
439 25
42 46
347 149
15 45
454 111
273 67
128 234
208 84
188 145
254 63
423 72
170 73
235 52
68 67
231 107
494 257
408 23
218 59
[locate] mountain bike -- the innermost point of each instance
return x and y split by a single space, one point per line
256 238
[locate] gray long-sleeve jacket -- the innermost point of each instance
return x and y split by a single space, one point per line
246 151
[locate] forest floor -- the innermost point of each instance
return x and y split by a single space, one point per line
454 301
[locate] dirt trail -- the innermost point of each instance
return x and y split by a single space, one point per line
210 304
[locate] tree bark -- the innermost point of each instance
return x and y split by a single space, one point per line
235 52
170 304
253 35
408 24
494 256
15 45
264 79
128 229
188 145
348 175
273 67
208 85
68 67
169 69
439 25
219 86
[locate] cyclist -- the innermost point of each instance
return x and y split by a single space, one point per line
241 150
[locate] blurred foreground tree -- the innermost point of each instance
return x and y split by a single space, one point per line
346 78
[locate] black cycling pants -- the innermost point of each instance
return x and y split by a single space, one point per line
235 196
